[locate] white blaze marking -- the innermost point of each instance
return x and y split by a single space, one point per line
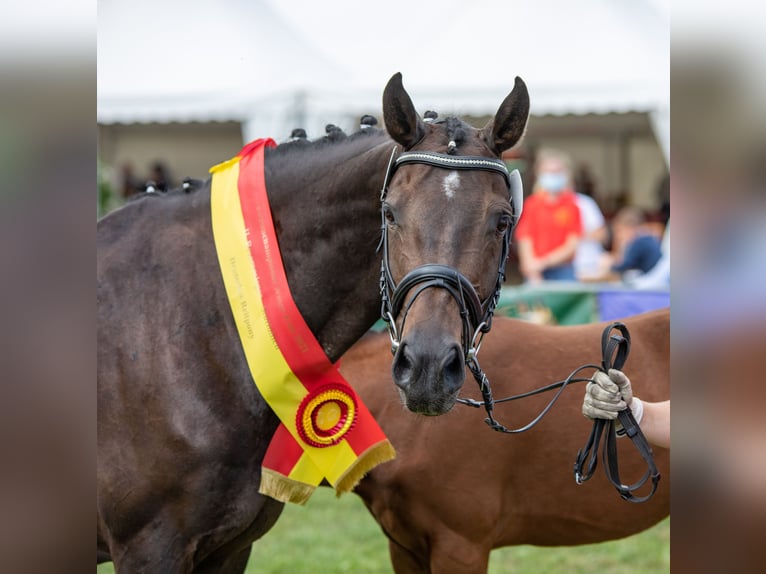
450 184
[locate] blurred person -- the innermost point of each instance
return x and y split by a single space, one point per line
160 177
658 277
584 182
550 226
129 182
610 393
640 250
589 257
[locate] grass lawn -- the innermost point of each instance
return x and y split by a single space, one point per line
336 536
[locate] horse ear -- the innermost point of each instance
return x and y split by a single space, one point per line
510 121
402 121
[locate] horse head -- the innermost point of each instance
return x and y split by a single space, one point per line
447 216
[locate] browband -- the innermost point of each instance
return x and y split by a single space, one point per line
466 162
454 162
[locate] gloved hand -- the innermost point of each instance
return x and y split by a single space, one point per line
609 394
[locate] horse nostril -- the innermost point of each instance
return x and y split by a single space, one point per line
403 366
453 368
453 365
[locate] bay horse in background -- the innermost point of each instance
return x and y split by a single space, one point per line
182 429
456 489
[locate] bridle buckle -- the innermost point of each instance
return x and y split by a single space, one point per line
476 341
393 335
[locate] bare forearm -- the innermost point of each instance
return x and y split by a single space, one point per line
655 423
525 250
598 234
561 254
528 263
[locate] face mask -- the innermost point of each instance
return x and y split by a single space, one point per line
552 182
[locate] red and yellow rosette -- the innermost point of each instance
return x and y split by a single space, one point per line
325 415
326 431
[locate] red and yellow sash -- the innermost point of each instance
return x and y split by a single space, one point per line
326 431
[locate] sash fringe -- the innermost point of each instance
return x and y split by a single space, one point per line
369 459
284 489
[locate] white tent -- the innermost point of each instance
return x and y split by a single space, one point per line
207 60
273 65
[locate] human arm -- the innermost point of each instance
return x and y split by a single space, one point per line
567 217
655 424
598 234
528 264
562 254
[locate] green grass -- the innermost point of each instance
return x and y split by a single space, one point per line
336 536
648 552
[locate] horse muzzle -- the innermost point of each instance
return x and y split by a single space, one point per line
429 372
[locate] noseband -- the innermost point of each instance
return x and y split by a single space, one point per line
476 315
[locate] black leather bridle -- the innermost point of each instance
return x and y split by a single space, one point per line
476 315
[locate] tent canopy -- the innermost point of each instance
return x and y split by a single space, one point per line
273 65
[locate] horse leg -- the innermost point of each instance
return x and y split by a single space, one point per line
447 555
404 561
175 559
232 557
456 555
154 550
233 564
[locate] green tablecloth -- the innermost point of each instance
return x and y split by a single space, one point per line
572 303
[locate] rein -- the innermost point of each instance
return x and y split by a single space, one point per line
476 315
614 350
619 347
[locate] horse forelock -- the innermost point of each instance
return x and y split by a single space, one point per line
466 138
455 130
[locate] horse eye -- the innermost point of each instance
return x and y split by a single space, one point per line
389 215
503 224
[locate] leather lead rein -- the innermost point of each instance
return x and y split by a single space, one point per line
614 350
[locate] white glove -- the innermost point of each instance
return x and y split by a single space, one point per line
609 394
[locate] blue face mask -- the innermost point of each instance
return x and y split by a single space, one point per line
552 182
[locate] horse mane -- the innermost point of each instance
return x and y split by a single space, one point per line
329 149
194 185
333 142
330 141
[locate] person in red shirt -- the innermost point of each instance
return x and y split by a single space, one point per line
550 226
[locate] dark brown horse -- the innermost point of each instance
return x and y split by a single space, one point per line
457 489
182 429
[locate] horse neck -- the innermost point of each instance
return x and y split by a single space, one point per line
325 204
